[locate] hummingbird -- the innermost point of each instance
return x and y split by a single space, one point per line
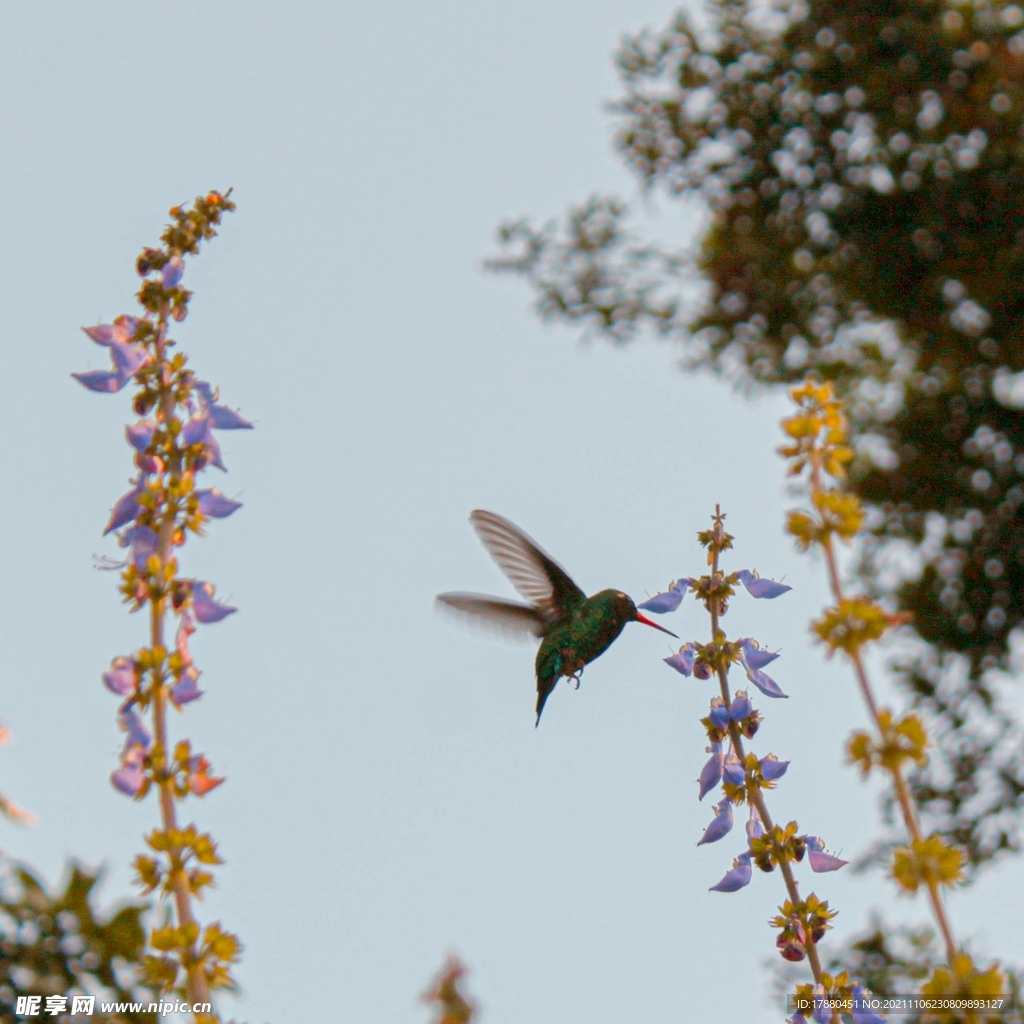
573 629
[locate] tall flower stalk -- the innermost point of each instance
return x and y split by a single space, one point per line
818 452
744 778
173 442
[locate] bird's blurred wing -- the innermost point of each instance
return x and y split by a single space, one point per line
537 576
506 617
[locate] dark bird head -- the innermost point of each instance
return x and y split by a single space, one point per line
627 611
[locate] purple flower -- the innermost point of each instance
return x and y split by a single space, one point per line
173 272
119 332
733 771
102 334
224 418
667 601
199 430
683 661
720 826
138 734
758 587
215 505
106 382
754 654
220 416
711 773
185 689
208 610
772 768
121 677
862 1014
140 435
127 508
143 542
212 455
737 878
754 827
740 706
819 860
719 714
195 430
822 1012
763 682
127 357
129 778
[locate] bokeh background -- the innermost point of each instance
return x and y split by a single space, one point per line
388 798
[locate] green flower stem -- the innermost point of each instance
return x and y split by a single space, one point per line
903 796
198 990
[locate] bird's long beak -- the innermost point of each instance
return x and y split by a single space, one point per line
647 622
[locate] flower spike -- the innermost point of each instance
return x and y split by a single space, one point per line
172 439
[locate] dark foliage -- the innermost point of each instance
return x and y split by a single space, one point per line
58 944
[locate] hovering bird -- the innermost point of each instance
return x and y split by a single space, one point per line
574 629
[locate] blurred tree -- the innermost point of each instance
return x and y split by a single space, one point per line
891 960
863 164
58 944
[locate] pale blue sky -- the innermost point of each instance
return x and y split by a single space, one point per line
388 798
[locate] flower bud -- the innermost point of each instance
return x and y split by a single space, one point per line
143 402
